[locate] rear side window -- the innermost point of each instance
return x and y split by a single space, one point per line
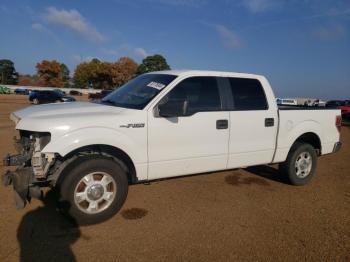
202 94
248 94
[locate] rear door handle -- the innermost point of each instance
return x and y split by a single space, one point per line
222 124
269 122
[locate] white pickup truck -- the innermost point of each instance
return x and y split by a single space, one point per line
160 125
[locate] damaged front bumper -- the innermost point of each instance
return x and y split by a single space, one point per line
24 184
32 168
21 180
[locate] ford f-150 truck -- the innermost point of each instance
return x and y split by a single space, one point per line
160 125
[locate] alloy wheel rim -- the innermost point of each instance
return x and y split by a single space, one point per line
303 165
95 192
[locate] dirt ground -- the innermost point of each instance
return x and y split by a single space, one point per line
240 215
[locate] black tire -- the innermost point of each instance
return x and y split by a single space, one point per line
71 178
289 168
36 101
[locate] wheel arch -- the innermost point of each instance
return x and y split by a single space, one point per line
109 151
310 138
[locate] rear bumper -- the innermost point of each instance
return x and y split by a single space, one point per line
337 147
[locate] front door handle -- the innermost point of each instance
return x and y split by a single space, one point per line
222 124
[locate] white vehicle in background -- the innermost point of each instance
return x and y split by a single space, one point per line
286 101
160 125
322 103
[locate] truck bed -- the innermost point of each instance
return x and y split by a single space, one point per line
296 120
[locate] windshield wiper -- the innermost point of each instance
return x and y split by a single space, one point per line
108 102
111 102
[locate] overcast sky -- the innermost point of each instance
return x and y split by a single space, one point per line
302 46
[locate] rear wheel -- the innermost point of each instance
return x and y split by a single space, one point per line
93 190
300 165
35 101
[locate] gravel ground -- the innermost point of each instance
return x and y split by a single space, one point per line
238 215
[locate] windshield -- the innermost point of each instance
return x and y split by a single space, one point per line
138 92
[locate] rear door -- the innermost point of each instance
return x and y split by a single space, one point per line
253 124
194 143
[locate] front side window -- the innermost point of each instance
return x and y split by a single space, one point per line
200 93
248 94
138 92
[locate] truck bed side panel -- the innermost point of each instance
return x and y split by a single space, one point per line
294 123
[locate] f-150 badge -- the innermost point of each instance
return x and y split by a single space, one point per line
138 125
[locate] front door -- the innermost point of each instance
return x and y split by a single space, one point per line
195 143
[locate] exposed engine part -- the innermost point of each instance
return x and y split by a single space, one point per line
41 163
32 140
29 147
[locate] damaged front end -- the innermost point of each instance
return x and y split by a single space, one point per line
32 166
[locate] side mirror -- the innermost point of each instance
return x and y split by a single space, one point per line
173 108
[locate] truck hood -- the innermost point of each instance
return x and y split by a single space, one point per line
64 109
63 116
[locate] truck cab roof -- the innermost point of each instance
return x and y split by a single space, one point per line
207 73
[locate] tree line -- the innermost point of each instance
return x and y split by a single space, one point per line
90 74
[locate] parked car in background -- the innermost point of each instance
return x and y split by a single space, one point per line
321 103
59 91
100 95
334 103
75 93
92 96
105 93
286 101
48 96
5 90
21 91
345 108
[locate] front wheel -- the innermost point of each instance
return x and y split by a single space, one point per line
300 165
93 190
36 101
